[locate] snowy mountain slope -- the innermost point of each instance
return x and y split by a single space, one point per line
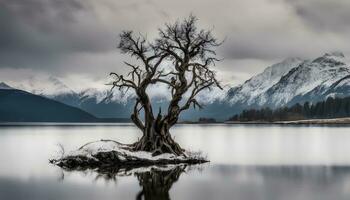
106 103
45 86
101 102
4 86
50 87
300 81
310 81
250 91
340 88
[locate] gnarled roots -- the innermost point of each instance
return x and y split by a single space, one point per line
158 143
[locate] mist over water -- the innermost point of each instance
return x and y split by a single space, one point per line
247 162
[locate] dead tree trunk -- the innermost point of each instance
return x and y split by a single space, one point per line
157 139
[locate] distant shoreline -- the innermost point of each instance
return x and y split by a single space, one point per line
340 121
345 120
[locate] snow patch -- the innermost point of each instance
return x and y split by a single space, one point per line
96 147
111 153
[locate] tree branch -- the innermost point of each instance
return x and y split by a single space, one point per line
191 53
135 116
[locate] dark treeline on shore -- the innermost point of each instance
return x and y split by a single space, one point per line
330 108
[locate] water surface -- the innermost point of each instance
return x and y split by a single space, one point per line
247 162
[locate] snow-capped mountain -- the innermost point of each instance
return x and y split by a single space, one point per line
50 87
4 86
105 95
297 81
313 81
251 91
46 86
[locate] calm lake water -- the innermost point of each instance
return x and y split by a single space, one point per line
248 162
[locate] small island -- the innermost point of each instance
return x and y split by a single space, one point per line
181 58
108 153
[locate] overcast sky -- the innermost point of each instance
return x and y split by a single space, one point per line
76 40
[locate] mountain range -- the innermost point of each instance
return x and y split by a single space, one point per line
295 81
291 81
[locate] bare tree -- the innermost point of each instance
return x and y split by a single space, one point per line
190 54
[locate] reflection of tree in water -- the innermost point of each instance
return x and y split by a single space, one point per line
156 183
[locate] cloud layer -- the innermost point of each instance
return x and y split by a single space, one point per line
79 37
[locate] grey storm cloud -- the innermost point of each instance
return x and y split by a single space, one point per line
51 34
35 31
80 36
324 14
